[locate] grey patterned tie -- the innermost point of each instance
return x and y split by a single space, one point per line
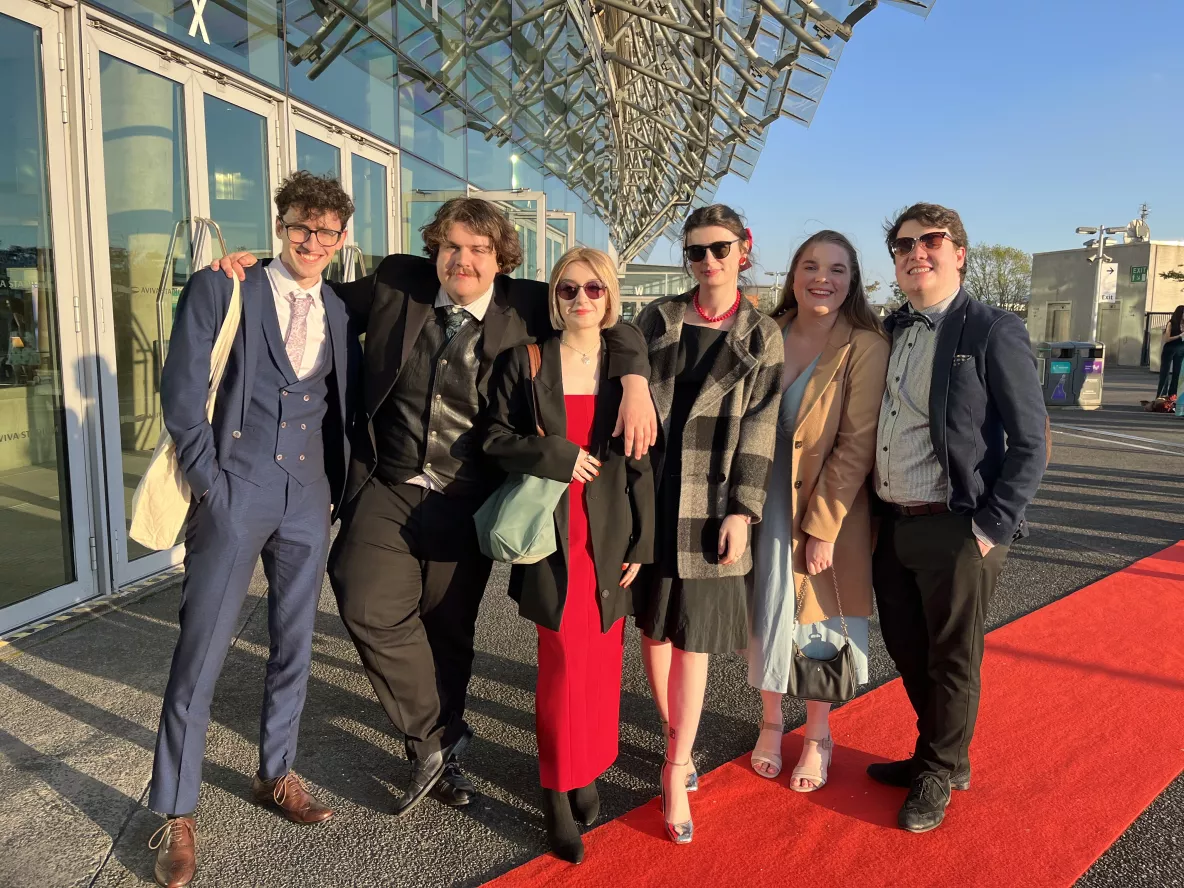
454 319
297 333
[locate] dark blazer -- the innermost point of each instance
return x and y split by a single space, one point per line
185 380
391 306
620 500
986 415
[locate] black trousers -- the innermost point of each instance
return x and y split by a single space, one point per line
932 587
409 576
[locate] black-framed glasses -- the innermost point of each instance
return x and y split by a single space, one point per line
719 249
569 290
931 240
298 234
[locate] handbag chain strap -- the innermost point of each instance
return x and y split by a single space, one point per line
802 597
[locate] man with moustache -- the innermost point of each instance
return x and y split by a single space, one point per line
406 566
264 475
960 452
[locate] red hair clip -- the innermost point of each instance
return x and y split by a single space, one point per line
744 263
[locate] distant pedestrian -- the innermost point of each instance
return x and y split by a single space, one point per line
579 596
960 452
816 531
1171 355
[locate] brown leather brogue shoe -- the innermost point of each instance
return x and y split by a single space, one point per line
175 844
291 797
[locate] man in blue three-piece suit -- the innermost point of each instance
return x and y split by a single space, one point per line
265 475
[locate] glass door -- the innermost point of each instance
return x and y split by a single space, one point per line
369 173
561 227
182 166
419 206
528 211
45 555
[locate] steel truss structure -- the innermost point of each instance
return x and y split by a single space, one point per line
639 106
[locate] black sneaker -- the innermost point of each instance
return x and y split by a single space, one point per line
925 807
901 774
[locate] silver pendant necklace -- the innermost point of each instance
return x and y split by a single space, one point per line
586 358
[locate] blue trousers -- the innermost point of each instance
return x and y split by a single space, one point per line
225 535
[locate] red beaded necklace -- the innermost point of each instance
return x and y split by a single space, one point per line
723 317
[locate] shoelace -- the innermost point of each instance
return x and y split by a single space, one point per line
281 788
928 786
170 829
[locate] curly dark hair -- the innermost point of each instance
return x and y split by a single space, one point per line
482 218
312 195
929 214
856 308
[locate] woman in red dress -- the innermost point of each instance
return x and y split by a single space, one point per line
579 596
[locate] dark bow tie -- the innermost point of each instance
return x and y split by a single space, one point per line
905 317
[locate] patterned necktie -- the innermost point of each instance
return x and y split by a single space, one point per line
297 333
454 319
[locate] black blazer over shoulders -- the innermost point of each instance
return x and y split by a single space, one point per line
986 416
391 305
620 501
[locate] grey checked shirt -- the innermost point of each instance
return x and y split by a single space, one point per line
907 471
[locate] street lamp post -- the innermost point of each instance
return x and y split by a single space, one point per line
1098 256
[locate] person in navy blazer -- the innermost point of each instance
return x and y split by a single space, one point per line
960 451
265 476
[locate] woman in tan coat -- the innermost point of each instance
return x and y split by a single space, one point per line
817 513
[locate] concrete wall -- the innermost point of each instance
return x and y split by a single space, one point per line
1066 277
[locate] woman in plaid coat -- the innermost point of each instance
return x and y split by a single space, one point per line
715 371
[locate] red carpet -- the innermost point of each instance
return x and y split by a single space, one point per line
1081 727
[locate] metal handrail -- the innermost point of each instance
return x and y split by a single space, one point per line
202 228
351 261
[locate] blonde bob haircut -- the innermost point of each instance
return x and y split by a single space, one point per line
605 272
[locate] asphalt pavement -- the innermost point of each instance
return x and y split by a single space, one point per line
79 706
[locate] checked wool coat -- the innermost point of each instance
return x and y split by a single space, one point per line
729 438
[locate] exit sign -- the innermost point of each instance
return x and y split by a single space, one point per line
1138 274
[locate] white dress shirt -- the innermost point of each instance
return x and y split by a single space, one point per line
283 285
477 309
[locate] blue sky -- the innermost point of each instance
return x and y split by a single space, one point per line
1030 117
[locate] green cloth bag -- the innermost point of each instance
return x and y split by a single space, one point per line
516 525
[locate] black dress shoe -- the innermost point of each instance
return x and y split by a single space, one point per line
425 772
454 789
901 774
925 807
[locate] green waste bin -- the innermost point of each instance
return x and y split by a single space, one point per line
1071 373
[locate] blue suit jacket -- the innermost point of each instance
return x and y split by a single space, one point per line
184 383
987 416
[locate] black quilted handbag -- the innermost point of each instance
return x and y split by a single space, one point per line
826 681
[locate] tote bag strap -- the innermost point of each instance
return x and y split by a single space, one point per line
223 344
536 361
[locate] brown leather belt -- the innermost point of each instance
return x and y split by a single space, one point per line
922 509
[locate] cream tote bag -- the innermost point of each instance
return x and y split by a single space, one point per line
162 497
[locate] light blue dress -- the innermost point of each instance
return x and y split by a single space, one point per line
771 590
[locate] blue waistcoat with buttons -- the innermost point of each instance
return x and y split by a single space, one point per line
282 429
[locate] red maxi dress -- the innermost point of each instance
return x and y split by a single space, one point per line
578 697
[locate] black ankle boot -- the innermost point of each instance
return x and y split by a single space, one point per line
585 803
561 827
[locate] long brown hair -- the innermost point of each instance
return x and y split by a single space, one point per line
856 309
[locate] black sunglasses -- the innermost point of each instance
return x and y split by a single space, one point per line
568 290
902 246
719 249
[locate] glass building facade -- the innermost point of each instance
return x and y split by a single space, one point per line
146 138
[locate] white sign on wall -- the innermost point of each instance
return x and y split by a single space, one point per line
1109 282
